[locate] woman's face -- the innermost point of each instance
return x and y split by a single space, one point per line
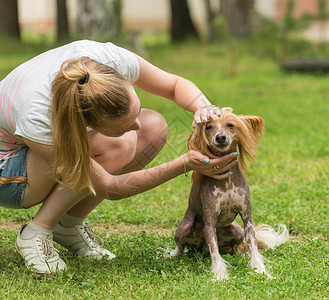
118 127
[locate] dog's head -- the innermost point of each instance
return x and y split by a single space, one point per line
226 133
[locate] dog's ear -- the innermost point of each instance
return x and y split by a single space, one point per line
198 141
195 139
250 135
255 124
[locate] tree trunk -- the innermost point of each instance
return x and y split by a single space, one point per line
62 20
99 19
210 21
181 22
9 18
238 16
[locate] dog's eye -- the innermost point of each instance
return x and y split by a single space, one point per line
231 126
209 127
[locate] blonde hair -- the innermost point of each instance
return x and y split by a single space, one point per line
84 93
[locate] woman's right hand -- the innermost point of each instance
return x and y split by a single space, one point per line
205 113
218 168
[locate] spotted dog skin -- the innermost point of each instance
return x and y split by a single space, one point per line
209 222
218 202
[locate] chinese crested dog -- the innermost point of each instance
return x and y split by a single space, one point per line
209 222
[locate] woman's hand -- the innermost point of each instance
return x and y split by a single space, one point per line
218 168
205 113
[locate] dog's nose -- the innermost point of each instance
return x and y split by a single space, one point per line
220 138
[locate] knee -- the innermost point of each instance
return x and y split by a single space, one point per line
154 127
115 153
126 149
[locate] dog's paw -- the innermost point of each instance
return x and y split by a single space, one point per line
268 275
220 268
173 253
262 270
220 277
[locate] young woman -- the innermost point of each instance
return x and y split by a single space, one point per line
73 133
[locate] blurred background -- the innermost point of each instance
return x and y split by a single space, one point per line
292 33
170 20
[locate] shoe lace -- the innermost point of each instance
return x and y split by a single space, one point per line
92 235
47 247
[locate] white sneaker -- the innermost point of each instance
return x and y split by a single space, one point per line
81 240
39 253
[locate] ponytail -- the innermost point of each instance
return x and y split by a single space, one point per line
84 92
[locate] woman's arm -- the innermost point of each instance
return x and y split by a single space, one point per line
115 187
180 90
126 185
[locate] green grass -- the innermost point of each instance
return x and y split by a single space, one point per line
289 185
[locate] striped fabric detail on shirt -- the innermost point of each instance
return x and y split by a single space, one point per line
22 72
35 65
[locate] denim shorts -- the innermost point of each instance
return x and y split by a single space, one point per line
13 178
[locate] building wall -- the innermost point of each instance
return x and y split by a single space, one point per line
301 7
40 15
37 15
146 14
267 8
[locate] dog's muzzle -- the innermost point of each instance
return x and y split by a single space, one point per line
221 140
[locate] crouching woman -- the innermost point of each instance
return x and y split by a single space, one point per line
73 133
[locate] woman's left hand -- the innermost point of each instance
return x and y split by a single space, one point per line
204 114
218 168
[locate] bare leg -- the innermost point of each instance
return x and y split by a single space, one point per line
57 201
40 181
56 205
131 152
34 242
151 138
42 188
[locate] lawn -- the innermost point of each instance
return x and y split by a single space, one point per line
289 184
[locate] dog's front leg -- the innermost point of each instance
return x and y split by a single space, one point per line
218 264
257 260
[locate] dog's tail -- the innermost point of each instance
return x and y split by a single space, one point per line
267 236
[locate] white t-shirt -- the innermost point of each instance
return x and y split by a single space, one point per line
25 94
